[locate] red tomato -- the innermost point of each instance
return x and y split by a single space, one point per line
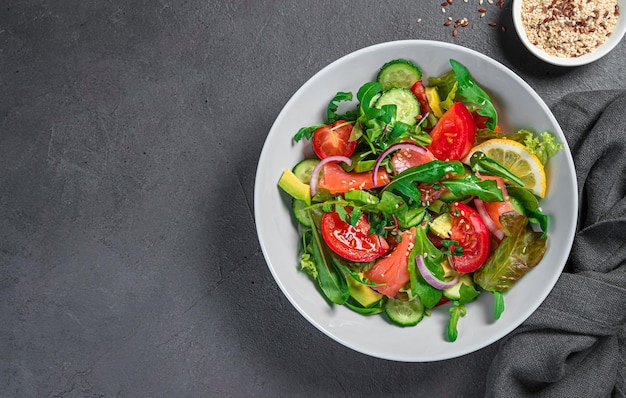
334 140
454 134
419 91
352 242
337 180
496 209
480 122
392 270
473 236
404 159
443 300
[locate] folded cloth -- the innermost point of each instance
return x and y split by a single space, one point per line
574 345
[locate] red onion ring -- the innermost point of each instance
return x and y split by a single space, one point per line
493 228
432 279
316 170
394 147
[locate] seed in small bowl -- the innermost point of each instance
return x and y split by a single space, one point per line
569 32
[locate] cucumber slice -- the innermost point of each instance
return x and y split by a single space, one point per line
301 213
304 168
405 313
408 107
398 73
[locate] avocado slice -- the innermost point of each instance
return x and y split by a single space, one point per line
293 186
365 296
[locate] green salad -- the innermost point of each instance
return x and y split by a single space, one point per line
417 197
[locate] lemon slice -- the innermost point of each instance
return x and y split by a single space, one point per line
519 160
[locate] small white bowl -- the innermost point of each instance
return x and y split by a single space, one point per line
602 50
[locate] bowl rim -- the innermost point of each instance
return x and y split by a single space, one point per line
266 153
601 51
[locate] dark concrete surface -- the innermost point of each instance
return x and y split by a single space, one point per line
129 137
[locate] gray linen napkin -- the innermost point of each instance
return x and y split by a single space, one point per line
574 345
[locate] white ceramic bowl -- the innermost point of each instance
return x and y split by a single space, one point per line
601 51
373 335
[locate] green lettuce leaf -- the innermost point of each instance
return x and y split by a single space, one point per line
545 146
520 250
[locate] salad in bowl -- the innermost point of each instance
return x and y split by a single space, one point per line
415 201
416 197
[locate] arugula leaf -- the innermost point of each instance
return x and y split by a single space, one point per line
365 111
520 250
407 216
456 313
543 220
306 132
531 205
498 304
471 92
486 190
467 293
525 197
373 309
433 258
330 280
484 164
429 172
331 112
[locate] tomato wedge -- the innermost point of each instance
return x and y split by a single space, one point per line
454 134
352 241
419 91
392 270
337 180
334 140
481 122
473 236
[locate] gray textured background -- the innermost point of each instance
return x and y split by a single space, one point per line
129 137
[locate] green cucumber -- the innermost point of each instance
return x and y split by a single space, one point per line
405 313
407 105
398 73
301 213
304 168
